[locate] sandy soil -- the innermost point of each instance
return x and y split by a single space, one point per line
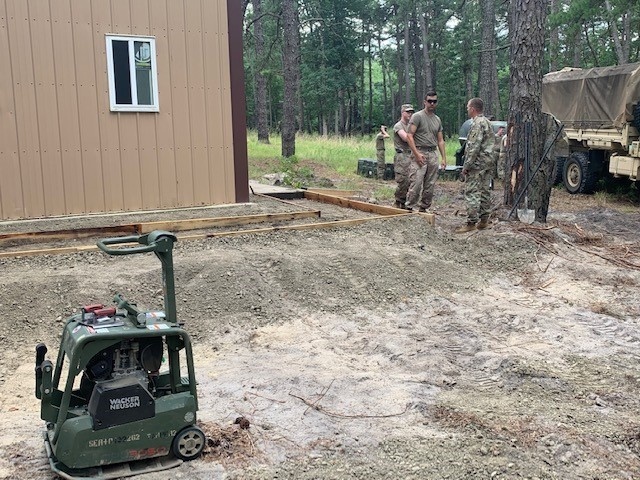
390 349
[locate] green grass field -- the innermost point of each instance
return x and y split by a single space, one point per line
329 157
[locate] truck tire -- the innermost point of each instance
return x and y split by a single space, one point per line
636 115
558 170
577 176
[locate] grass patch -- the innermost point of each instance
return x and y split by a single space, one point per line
320 158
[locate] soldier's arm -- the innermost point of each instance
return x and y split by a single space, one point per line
412 144
443 152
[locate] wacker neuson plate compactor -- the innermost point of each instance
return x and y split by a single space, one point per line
121 398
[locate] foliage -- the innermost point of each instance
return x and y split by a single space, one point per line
352 56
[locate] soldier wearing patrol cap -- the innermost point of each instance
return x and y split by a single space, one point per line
402 158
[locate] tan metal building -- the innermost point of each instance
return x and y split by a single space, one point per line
120 105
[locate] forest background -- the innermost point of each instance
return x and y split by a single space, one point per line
344 67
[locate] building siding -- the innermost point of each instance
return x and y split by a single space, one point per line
62 151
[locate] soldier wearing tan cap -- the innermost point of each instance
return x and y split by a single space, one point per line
402 158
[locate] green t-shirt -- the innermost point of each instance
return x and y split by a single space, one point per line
427 127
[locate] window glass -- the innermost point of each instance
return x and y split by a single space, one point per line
121 72
133 84
143 72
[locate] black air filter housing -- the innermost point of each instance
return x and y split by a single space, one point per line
118 401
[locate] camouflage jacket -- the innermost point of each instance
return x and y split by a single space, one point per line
480 141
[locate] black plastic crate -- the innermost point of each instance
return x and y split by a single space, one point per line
368 167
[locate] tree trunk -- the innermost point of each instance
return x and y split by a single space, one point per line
467 65
290 77
370 78
577 48
527 32
343 113
260 80
621 45
385 94
300 104
399 95
554 40
488 79
426 56
407 78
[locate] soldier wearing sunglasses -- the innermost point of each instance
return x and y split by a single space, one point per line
425 139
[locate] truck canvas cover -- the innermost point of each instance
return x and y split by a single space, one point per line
601 97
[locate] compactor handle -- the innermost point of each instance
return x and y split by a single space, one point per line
145 247
41 351
160 243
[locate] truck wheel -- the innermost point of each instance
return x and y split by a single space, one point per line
577 176
558 170
188 444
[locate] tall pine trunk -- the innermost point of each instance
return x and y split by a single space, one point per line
426 55
289 65
527 32
488 79
405 57
262 113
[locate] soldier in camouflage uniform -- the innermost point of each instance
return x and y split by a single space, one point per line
477 168
402 158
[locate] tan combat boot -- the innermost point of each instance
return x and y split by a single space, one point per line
483 223
465 228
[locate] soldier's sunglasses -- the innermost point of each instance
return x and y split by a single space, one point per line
432 101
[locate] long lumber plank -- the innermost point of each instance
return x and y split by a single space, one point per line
307 226
146 227
200 223
362 206
332 191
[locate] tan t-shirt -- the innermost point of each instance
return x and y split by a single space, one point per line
398 143
427 128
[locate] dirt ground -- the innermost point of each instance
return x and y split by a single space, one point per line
390 349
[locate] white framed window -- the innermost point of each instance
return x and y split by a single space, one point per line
133 73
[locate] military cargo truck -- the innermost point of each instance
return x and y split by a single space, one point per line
600 110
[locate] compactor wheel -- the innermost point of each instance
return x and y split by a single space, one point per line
188 444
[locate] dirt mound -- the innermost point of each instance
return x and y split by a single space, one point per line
388 349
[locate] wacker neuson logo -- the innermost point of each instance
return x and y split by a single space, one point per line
124 402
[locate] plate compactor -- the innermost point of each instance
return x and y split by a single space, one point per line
117 402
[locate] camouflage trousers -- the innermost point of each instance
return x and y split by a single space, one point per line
422 180
381 163
477 195
401 167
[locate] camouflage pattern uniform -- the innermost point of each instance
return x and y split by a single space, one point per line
381 155
478 164
401 163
